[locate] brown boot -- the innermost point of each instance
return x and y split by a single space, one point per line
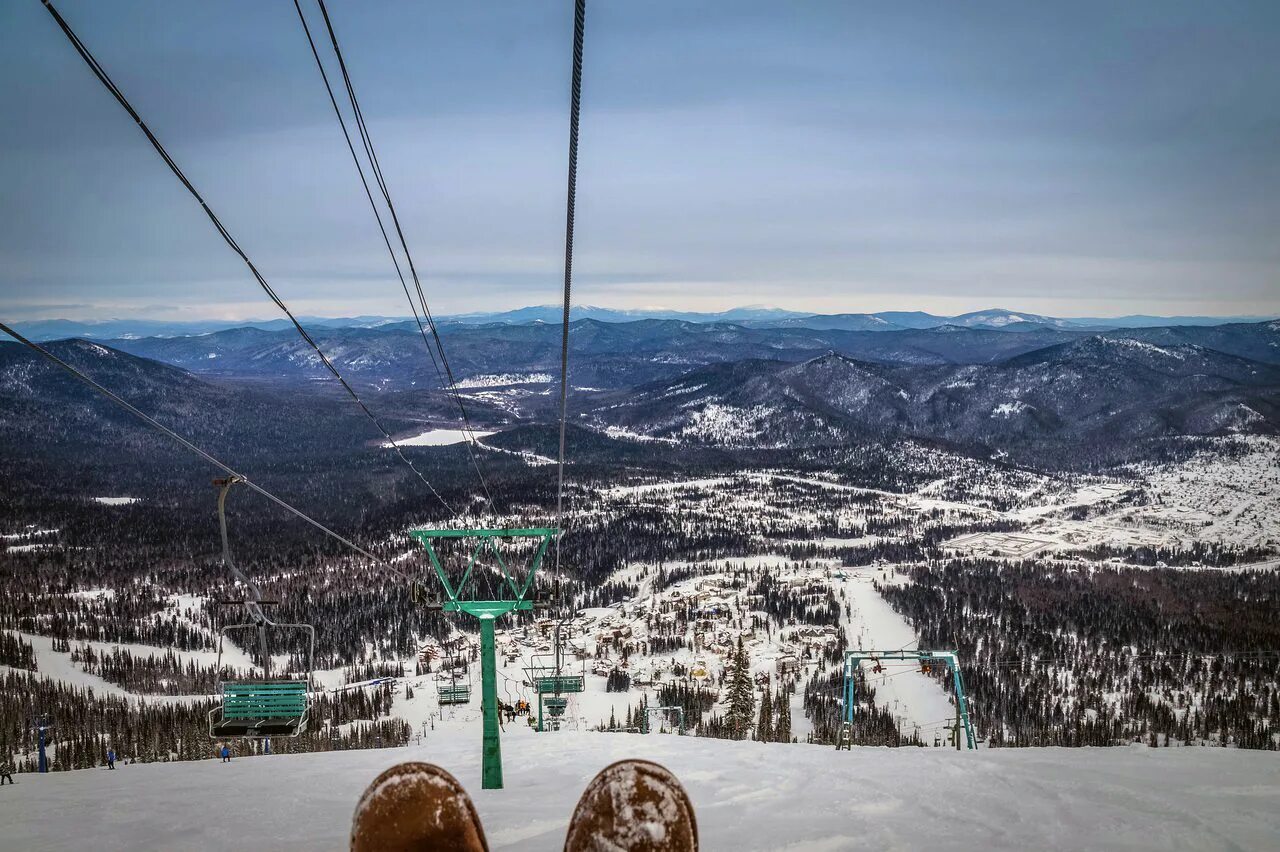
414 807
633 806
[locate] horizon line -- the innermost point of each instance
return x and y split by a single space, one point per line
640 313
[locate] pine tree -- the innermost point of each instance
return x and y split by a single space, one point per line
764 725
782 729
741 695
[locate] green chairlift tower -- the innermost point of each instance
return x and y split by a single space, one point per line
458 599
927 660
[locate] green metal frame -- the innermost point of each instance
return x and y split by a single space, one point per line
487 611
644 729
853 661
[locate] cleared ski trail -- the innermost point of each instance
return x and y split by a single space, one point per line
915 699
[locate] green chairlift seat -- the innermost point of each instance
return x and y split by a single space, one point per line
460 694
275 708
557 684
267 706
551 683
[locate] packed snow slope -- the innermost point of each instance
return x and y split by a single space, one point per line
747 796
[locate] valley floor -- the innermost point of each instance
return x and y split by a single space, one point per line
747 795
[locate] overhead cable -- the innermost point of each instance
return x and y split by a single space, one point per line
376 168
223 466
106 81
575 104
395 260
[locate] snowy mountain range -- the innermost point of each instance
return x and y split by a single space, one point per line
1044 396
754 315
1091 392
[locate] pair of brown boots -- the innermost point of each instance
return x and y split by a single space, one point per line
631 805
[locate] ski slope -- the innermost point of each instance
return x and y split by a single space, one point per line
748 796
916 700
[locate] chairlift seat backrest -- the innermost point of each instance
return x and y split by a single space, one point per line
260 709
460 694
276 699
560 683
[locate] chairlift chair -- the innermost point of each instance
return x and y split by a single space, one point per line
266 706
454 692
551 679
460 694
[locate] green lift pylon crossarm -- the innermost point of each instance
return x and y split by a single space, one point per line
853 661
487 611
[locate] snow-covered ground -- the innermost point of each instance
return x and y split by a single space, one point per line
1230 498
439 438
747 796
530 458
497 380
58 666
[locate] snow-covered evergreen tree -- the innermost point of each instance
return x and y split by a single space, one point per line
782 728
741 695
764 725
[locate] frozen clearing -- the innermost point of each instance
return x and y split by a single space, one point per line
503 379
747 796
439 438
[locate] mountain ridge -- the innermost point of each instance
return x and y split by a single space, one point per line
751 315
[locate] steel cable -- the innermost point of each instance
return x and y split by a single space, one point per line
223 466
376 167
575 104
107 82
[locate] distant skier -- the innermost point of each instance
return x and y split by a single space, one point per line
226 753
6 772
111 758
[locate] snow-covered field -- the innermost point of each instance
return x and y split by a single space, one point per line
498 380
748 796
1230 500
439 438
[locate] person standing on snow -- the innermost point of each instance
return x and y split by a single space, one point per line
226 753
6 772
111 758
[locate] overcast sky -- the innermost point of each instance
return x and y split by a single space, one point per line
1071 158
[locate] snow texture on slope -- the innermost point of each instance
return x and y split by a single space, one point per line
747 796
